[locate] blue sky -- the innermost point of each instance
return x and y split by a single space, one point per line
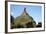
34 11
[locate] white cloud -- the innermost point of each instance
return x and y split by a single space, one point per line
36 22
12 14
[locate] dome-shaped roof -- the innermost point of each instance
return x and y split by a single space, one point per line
23 18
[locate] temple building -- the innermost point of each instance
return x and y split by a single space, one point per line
24 21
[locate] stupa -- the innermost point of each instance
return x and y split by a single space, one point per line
24 20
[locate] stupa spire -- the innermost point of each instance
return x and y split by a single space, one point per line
24 9
24 12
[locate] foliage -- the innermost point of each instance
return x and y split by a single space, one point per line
39 24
